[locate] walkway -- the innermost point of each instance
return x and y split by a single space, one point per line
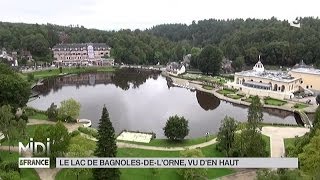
156 148
277 134
70 126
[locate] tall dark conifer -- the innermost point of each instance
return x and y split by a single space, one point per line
106 147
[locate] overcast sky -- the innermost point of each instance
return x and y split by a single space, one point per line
141 14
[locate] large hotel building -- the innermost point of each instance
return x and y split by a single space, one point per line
278 84
81 54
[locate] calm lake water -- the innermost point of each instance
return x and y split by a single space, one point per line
143 101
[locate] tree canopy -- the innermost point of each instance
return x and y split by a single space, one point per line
226 135
176 128
106 147
276 41
14 90
69 109
209 60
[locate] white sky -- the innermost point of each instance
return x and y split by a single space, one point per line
141 14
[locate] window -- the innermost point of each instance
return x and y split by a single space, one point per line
310 86
301 82
307 87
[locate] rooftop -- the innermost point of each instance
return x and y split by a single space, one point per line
307 70
80 45
272 75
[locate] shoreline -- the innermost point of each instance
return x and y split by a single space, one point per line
198 86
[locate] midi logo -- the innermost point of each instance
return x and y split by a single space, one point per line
34 147
37 148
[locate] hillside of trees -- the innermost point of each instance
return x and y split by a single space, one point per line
276 41
131 47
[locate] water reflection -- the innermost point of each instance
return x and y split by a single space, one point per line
143 101
207 101
122 78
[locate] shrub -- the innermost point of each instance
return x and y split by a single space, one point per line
24 116
9 166
75 133
52 112
89 131
9 175
30 77
176 128
60 69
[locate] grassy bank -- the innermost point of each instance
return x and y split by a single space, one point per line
25 174
274 102
36 114
67 70
30 131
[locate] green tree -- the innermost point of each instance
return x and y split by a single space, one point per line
74 150
14 90
210 60
255 115
318 99
249 143
238 63
310 157
52 112
59 139
176 128
69 109
192 173
7 123
194 57
226 135
106 147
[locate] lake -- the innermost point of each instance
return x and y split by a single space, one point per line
140 100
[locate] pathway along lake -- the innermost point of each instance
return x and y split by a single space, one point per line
140 100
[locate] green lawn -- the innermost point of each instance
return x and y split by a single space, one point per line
267 140
128 174
30 130
25 174
69 70
288 142
300 106
36 114
234 96
167 143
249 99
207 87
274 102
226 91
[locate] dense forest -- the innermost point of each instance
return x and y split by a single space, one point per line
277 41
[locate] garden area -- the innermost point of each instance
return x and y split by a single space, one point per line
204 78
300 106
10 168
274 102
231 93
207 87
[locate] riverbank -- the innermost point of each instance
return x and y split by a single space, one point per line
35 76
199 86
